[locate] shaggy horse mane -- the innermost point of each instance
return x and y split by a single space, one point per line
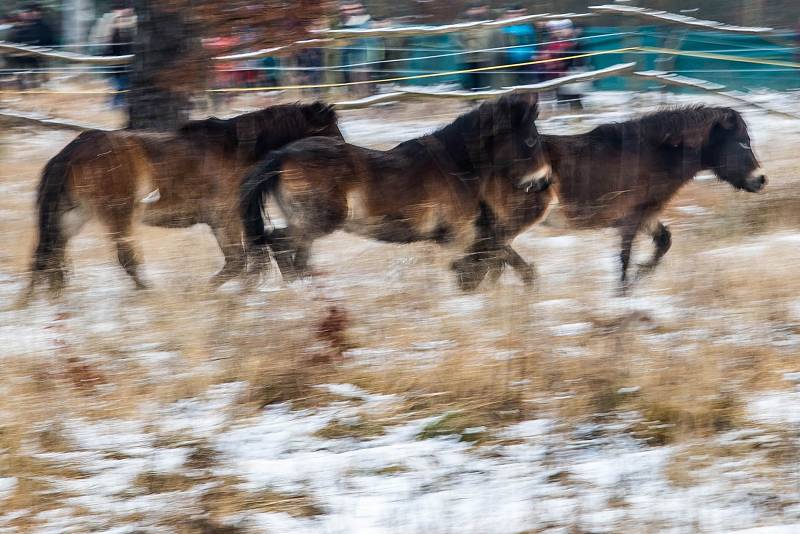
674 123
470 138
256 133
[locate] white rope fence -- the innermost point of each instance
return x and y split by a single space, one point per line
24 118
670 78
27 118
541 87
665 17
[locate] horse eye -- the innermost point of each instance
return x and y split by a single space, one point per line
745 146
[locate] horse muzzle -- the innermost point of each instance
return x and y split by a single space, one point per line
755 183
537 181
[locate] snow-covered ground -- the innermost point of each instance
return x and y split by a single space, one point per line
108 393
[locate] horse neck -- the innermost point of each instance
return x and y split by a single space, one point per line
554 147
451 152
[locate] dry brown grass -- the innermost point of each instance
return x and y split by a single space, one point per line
688 373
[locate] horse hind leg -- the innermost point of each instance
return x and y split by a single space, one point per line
280 242
128 256
229 241
50 262
120 223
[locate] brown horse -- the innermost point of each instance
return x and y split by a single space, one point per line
622 175
171 180
429 188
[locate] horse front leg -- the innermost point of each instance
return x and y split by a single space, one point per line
525 270
662 240
627 236
128 256
481 258
470 270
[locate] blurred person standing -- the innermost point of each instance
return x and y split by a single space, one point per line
353 16
558 52
32 30
572 93
475 42
6 27
224 72
123 32
376 54
797 40
7 23
310 61
519 42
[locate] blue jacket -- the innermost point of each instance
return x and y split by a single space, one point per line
519 35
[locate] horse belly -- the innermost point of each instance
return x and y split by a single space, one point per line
366 219
168 215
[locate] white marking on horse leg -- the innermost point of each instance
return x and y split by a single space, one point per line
73 220
356 205
152 197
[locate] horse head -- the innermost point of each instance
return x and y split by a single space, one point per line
509 142
727 152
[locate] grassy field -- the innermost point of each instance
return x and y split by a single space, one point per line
376 397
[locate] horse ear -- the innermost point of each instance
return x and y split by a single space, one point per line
521 105
320 113
731 120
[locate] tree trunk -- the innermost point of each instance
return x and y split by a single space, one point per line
163 68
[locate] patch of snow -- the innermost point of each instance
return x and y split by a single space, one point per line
7 485
777 408
774 529
463 304
571 329
527 429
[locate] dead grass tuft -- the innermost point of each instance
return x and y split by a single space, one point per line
228 499
359 427
153 482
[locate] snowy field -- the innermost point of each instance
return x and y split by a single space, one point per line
377 398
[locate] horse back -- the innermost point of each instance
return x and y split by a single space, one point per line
606 175
108 168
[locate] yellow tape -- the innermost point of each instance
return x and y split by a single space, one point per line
420 76
723 57
648 50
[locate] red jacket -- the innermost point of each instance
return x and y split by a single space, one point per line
555 51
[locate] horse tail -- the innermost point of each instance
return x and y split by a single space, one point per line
259 184
52 190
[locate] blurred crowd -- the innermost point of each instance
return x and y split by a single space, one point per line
363 62
29 27
536 51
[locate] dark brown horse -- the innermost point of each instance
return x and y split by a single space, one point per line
429 188
622 175
174 180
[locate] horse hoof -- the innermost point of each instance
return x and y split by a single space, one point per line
468 284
